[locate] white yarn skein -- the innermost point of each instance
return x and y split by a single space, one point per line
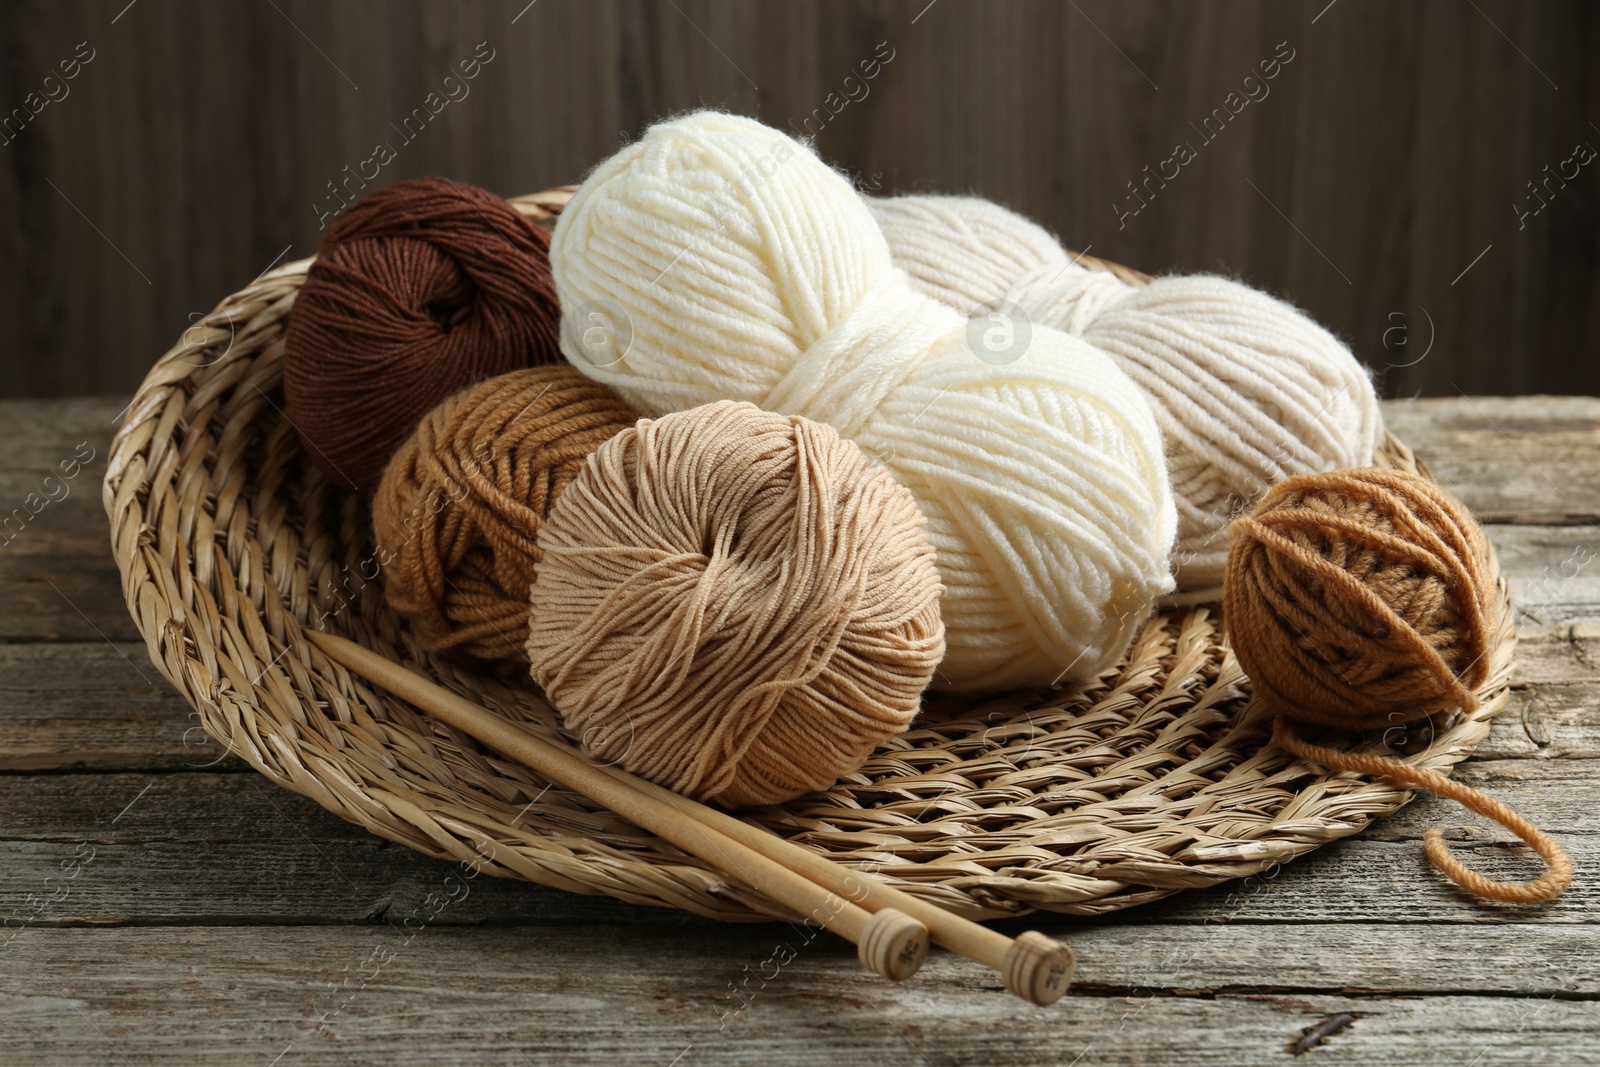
1247 389
717 258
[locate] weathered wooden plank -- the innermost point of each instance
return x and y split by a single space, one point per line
453 996
1532 460
39 434
246 808
277 882
1554 710
57 579
1558 653
205 848
200 809
1376 880
1555 721
62 589
96 706
1554 571
1359 880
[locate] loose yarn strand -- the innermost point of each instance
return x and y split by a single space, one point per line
1537 891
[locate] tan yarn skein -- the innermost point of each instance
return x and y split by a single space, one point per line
735 604
1361 599
459 507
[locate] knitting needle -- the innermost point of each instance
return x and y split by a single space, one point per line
888 942
1035 967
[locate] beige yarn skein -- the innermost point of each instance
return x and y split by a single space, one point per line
735 604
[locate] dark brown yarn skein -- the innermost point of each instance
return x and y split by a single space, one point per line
460 504
420 289
1361 599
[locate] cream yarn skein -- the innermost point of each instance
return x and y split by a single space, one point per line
718 258
1247 389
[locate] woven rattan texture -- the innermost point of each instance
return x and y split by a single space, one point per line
230 544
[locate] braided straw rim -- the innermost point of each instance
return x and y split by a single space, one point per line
1156 777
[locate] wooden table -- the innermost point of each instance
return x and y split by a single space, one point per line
166 904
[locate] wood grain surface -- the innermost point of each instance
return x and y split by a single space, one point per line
164 904
1380 179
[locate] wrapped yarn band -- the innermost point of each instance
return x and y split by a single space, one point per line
458 512
734 604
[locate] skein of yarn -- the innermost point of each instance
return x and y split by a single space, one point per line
1247 389
419 289
718 258
734 604
1364 599
457 514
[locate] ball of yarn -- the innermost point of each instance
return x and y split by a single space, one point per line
735 604
1247 389
457 514
1361 598
728 261
419 289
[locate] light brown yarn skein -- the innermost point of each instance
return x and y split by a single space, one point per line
1365 598
460 504
735 604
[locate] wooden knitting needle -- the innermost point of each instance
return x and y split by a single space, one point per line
1036 968
888 942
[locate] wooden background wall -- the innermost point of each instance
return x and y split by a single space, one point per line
1375 185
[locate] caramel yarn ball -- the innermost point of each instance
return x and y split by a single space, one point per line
457 514
1361 598
419 289
735 604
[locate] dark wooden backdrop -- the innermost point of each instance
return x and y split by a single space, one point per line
1376 185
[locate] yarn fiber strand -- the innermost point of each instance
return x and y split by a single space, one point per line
1366 599
734 604
1536 891
458 512
743 267
419 289
1247 389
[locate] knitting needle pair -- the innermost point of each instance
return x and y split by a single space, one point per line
890 928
